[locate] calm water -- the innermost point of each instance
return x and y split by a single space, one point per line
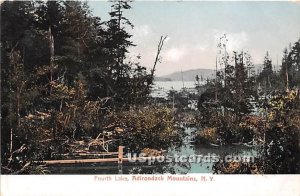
175 85
188 148
161 89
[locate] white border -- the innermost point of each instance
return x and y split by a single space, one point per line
46 185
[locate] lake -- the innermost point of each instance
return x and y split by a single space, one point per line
162 88
174 85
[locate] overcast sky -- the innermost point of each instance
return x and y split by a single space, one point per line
193 29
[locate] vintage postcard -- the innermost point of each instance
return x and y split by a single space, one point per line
150 93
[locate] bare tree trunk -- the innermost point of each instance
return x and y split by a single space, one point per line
11 104
287 78
225 77
51 48
18 106
159 48
11 141
216 90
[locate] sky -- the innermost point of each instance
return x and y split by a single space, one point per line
194 28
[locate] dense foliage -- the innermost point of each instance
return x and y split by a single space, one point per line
63 72
239 107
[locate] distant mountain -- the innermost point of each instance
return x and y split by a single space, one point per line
188 75
162 79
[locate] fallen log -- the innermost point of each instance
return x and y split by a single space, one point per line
81 161
89 154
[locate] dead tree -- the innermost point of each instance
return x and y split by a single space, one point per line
157 58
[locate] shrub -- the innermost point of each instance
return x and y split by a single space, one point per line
149 127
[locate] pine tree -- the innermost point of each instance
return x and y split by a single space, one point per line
294 61
118 41
266 77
